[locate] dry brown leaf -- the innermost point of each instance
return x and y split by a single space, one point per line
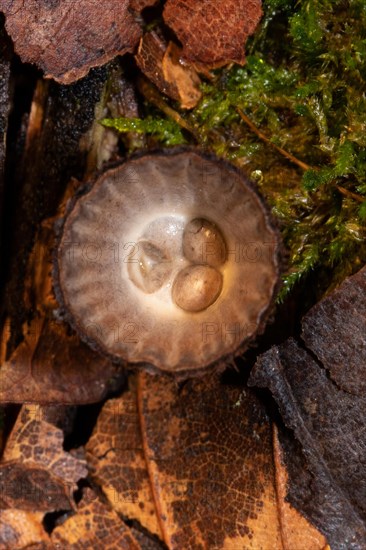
199 458
160 62
38 476
95 526
116 458
53 366
31 488
66 39
34 440
213 33
20 529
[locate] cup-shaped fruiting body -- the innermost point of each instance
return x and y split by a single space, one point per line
169 260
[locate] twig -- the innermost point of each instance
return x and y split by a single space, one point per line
349 194
291 157
263 137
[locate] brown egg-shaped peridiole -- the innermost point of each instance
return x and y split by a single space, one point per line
169 261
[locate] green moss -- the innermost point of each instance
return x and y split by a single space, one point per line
304 87
165 130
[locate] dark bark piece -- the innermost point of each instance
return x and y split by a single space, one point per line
51 364
330 489
5 57
213 33
5 105
335 330
66 39
40 175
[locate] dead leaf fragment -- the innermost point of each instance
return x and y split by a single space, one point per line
20 529
31 488
66 39
94 526
196 464
34 440
51 365
36 474
213 33
116 459
160 62
182 76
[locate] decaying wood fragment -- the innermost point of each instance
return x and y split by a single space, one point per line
319 389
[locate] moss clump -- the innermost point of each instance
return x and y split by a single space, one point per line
304 88
166 131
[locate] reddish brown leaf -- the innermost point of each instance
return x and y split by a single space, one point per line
65 39
139 5
160 62
213 33
200 459
326 460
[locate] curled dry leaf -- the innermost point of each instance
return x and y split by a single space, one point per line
160 62
66 39
213 33
194 465
326 461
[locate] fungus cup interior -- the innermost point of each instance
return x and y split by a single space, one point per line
170 260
